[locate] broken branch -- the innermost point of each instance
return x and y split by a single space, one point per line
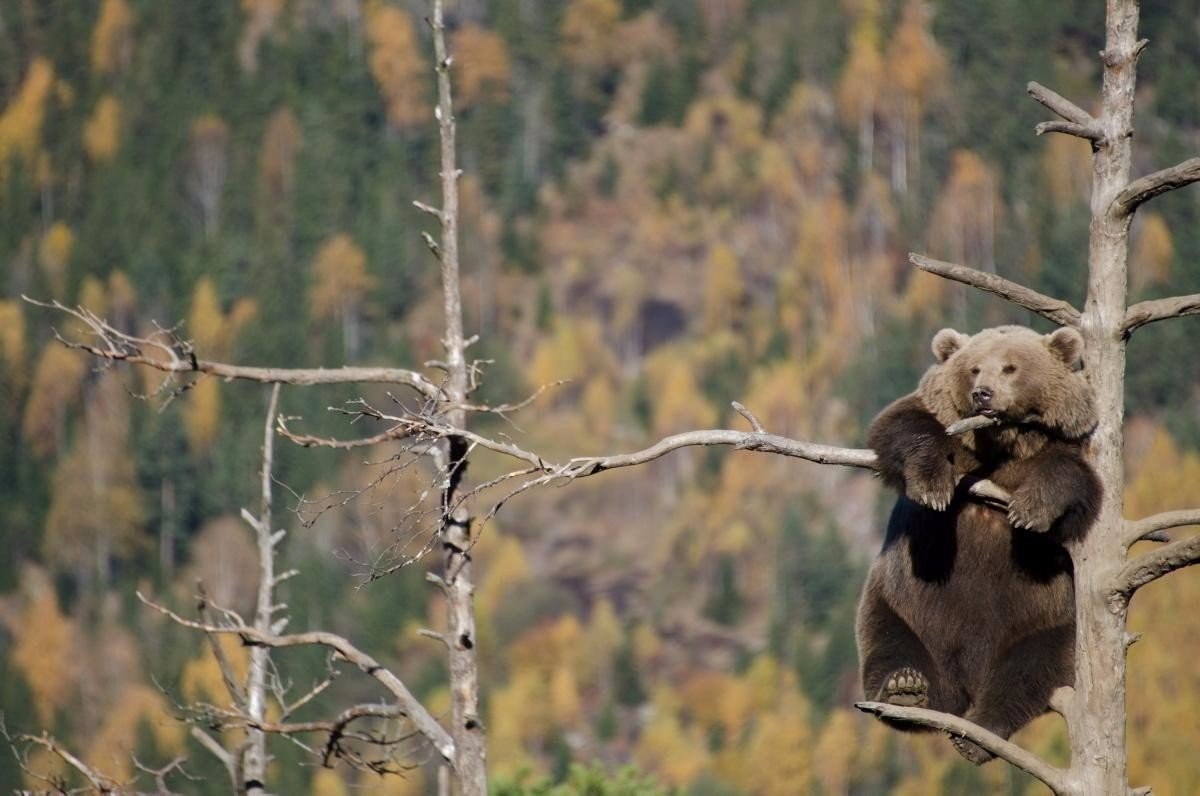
1060 105
1057 310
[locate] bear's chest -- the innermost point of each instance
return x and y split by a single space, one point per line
963 571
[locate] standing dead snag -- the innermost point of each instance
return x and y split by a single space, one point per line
456 581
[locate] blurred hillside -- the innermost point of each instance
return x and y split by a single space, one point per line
674 204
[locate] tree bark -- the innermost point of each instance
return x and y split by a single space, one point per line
470 768
1097 717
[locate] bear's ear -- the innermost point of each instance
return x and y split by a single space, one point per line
946 342
1067 345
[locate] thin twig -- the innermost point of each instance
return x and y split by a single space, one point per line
421 718
100 782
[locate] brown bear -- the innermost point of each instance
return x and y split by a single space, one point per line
969 609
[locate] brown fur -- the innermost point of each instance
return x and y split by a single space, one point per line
968 609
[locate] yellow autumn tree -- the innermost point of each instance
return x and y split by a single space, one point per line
861 82
22 119
201 679
137 707
261 18
112 38
518 715
777 757
328 782
481 57
54 253
206 327
968 211
833 756
724 290
397 64
915 71
212 333
587 32
122 298
340 283
205 321
1067 169
12 334
676 753
565 703
95 511
277 166
1152 253
207 168
678 402
56 382
102 130
574 346
604 636
43 641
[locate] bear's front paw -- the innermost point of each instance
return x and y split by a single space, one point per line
929 480
905 687
971 750
1029 508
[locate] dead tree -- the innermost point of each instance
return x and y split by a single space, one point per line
445 402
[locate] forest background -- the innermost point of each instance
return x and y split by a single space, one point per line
673 203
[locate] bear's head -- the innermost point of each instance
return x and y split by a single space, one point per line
1014 374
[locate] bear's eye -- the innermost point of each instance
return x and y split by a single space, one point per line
1009 369
975 371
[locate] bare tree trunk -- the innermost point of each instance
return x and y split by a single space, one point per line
458 586
1098 747
254 755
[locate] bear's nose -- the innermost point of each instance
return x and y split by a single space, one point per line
982 396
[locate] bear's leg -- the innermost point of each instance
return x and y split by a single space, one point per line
896 666
1019 688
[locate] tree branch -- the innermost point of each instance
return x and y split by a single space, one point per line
420 717
1054 778
1087 132
1150 186
165 352
740 440
1060 105
1151 566
1147 528
100 782
1057 310
1145 312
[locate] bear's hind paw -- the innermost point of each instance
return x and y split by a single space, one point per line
971 750
906 687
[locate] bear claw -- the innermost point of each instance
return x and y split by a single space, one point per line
907 688
971 750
